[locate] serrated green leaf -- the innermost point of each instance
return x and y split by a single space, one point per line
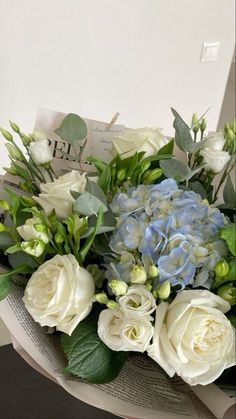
183 136
72 128
229 235
229 193
88 357
88 204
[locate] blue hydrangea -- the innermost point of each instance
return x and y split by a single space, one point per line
173 229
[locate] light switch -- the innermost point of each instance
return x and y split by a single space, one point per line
210 51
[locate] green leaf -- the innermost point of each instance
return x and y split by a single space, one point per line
90 239
88 357
6 279
5 286
183 137
88 204
174 169
22 172
198 188
104 180
5 240
229 235
95 190
13 249
229 193
21 258
72 128
167 148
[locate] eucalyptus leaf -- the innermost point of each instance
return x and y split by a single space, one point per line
229 193
183 136
174 169
88 204
198 188
95 190
88 357
72 129
21 258
5 240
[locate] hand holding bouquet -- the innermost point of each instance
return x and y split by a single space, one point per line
131 257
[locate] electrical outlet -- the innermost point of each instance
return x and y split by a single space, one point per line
210 51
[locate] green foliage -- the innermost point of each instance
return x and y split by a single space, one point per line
183 136
88 357
229 235
7 277
177 170
72 129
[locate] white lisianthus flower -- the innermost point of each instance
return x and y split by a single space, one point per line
214 160
60 293
150 140
123 331
40 151
57 193
215 141
138 301
193 337
28 232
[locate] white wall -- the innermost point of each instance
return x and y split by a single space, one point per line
96 57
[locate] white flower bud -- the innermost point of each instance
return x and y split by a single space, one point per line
33 247
40 152
153 271
138 275
118 287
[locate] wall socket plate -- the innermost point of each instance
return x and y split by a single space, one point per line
210 51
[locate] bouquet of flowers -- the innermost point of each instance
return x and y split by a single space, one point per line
131 256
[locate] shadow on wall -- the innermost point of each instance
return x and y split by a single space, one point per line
228 106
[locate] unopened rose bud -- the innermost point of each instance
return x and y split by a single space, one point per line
203 124
112 304
118 287
164 290
151 175
138 275
14 127
228 293
14 152
6 134
58 238
2 227
33 247
121 174
101 298
4 204
221 268
153 271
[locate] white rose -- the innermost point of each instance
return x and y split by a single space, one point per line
40 151
215 160
28 231
138 300
57 194
124 332
215 141
128 142
193 337
60 293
